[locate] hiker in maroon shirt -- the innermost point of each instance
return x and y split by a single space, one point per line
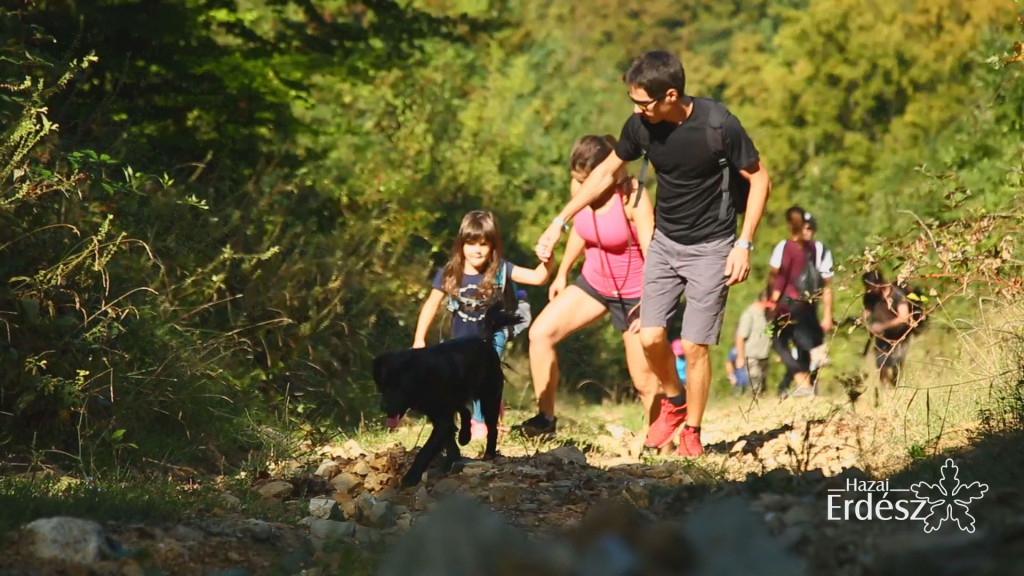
795 288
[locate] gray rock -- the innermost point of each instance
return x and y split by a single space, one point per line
328 468
718 530
943 553
324 530
568 454
381 515
325 508
504 494
461 537
422 499
257 530
365 535
70 539
447 486
471 467
364 505
186 534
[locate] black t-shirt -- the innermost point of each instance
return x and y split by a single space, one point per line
689 177
469 310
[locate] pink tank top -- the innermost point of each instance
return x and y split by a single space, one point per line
612 262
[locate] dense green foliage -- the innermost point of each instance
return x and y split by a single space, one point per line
214 212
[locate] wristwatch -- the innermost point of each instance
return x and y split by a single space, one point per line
562 224
741 243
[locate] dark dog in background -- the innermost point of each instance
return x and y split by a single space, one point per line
441 381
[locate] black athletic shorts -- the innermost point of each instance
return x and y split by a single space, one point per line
619 307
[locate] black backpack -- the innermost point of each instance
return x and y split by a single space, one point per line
735 188
809 283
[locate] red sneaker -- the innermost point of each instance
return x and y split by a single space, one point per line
689 443
669 420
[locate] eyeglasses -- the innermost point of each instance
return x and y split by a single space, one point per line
647 105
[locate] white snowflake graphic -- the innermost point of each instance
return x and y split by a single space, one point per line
949 499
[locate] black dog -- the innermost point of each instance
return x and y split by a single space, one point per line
441 381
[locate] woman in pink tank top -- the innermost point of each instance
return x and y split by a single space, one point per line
613 236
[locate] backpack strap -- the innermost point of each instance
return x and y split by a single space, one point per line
641 180
716 142
499 285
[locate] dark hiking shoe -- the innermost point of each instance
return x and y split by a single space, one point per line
539 425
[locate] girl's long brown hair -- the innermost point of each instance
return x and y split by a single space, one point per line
477 226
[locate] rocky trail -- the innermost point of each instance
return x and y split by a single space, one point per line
758 503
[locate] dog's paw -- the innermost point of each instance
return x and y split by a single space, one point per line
492 456
411 479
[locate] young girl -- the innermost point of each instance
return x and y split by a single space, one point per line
612 234
470 284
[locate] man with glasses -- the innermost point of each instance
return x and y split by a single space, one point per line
695 251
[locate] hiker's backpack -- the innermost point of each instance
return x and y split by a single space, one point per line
512 302
524 312
507 293
917 299
735 189
810 282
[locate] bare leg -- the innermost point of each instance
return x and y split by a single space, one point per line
661 360
698 381
644 380
572 310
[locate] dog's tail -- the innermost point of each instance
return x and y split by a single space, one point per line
497 319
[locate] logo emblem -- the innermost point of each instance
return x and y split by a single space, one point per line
950 499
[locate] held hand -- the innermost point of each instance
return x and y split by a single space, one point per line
557 287
737 266
547 241
875 328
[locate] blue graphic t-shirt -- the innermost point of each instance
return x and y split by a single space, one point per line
466 318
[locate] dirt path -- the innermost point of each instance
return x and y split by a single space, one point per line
772 466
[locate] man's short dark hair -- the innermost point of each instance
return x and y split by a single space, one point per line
656 72
793 210
795 219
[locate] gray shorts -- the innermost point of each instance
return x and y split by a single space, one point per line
697 272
